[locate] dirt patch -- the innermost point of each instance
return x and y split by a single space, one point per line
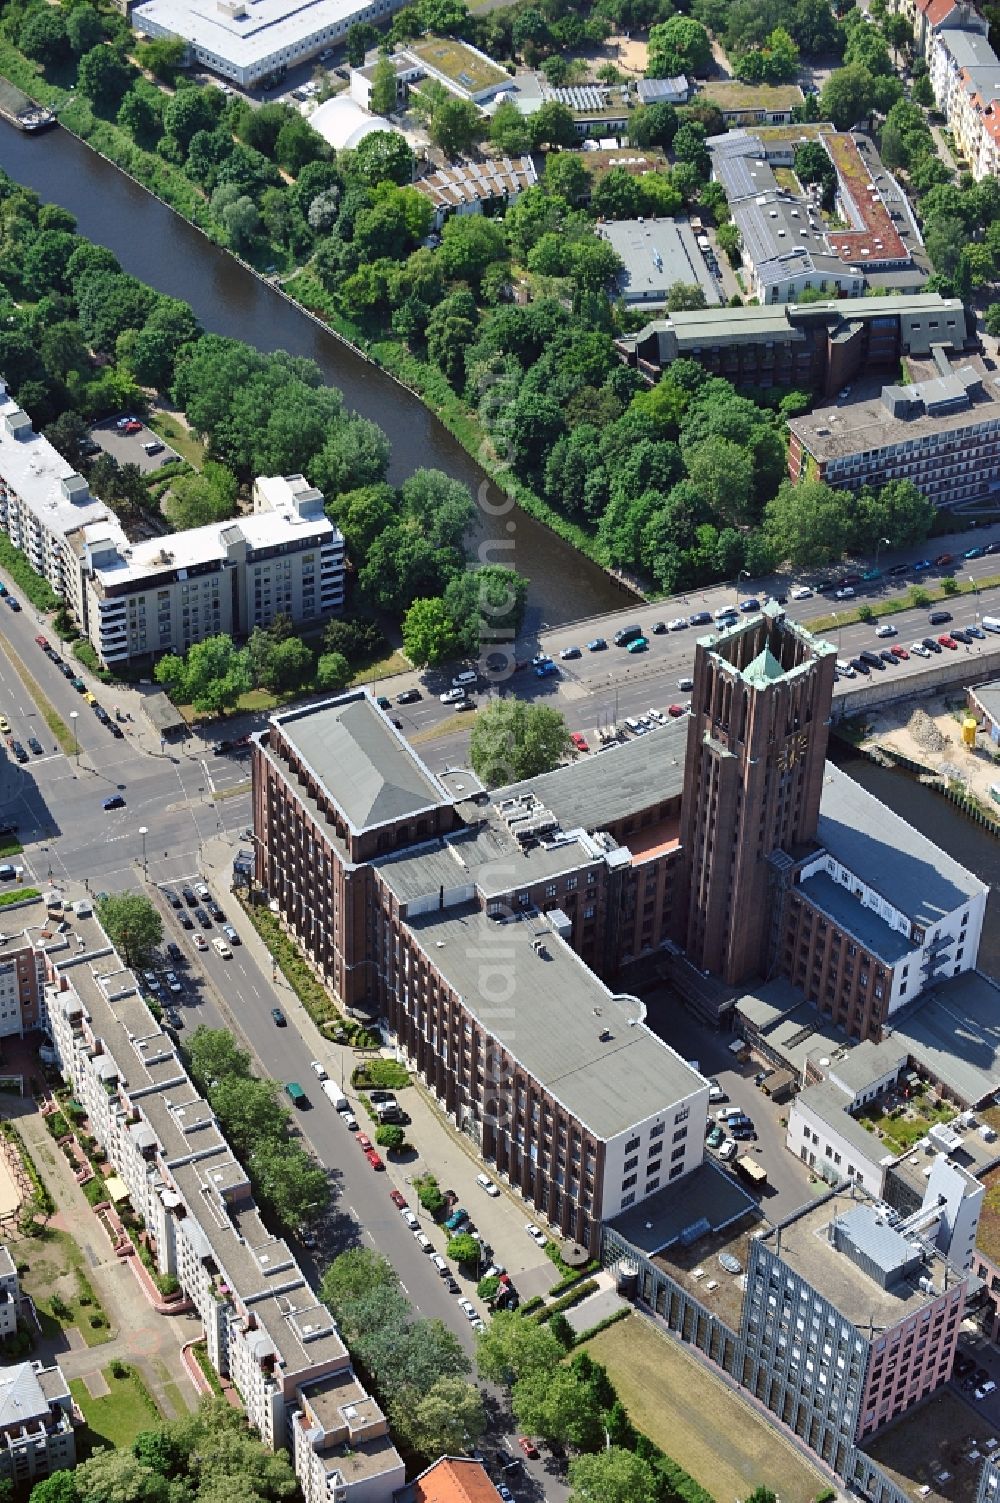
932 736
630 53
10 1194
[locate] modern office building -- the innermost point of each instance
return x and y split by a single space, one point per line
818 347
264 1327
850 1317
942 432
656 254
37 1419
247 41
144 599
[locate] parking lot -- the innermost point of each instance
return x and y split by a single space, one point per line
788 1185
131 447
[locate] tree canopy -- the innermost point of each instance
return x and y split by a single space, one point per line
512 739
133 924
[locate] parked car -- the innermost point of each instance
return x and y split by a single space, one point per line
932 644
569 653
700 618
901 653
453 696
886 630
114 802
535 1233
278 1017
485 1183
171 897
528 1447
398 1199
173 981
597 645
579 741
200 942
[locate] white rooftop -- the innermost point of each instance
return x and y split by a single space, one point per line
36 471
245 33
295 512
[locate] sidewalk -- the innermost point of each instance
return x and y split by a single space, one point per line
149 1341
441 1147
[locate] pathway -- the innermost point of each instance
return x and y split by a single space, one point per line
149 1341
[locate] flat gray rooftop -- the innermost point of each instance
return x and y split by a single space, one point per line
849 913
788 1024
954 1032
554 1011
807 1251
830 1105
487 855
656 253
907 869
599 790
707 1191
866 426
367 767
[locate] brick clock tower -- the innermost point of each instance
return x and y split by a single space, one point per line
756 751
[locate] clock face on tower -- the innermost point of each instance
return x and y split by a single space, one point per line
793 751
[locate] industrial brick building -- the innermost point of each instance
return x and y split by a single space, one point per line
489 931
818 347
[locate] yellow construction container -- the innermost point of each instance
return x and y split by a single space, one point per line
969 727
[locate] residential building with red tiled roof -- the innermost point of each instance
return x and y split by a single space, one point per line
964 73
454 1479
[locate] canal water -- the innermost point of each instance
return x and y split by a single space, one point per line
941 822
162 249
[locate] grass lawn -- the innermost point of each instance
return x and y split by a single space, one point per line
178 437
115 1419
934 595
55 1267
696 1419
901 1132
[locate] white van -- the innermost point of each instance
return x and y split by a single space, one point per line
335 1096
991 623
845 668
467 676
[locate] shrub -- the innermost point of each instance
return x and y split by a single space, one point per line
391 1138
429 1194
572 1298
949 586
120 1369
865 613
826 1495
96 1322
59 1307
386 1074
38 590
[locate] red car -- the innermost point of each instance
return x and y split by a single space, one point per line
943 559
365 1142
947 641
398 1199
528 1446
42 643
899 652
373 1159
579 741
675 710
132 427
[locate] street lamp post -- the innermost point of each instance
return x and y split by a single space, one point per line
878 549
74 715
743 574
143 831
975 587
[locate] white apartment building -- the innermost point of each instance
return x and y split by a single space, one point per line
161 595
43 501
263 1324
10 1294
37 1414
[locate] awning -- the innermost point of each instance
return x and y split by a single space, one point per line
116 1188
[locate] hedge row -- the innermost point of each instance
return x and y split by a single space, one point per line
34 587
568 1300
